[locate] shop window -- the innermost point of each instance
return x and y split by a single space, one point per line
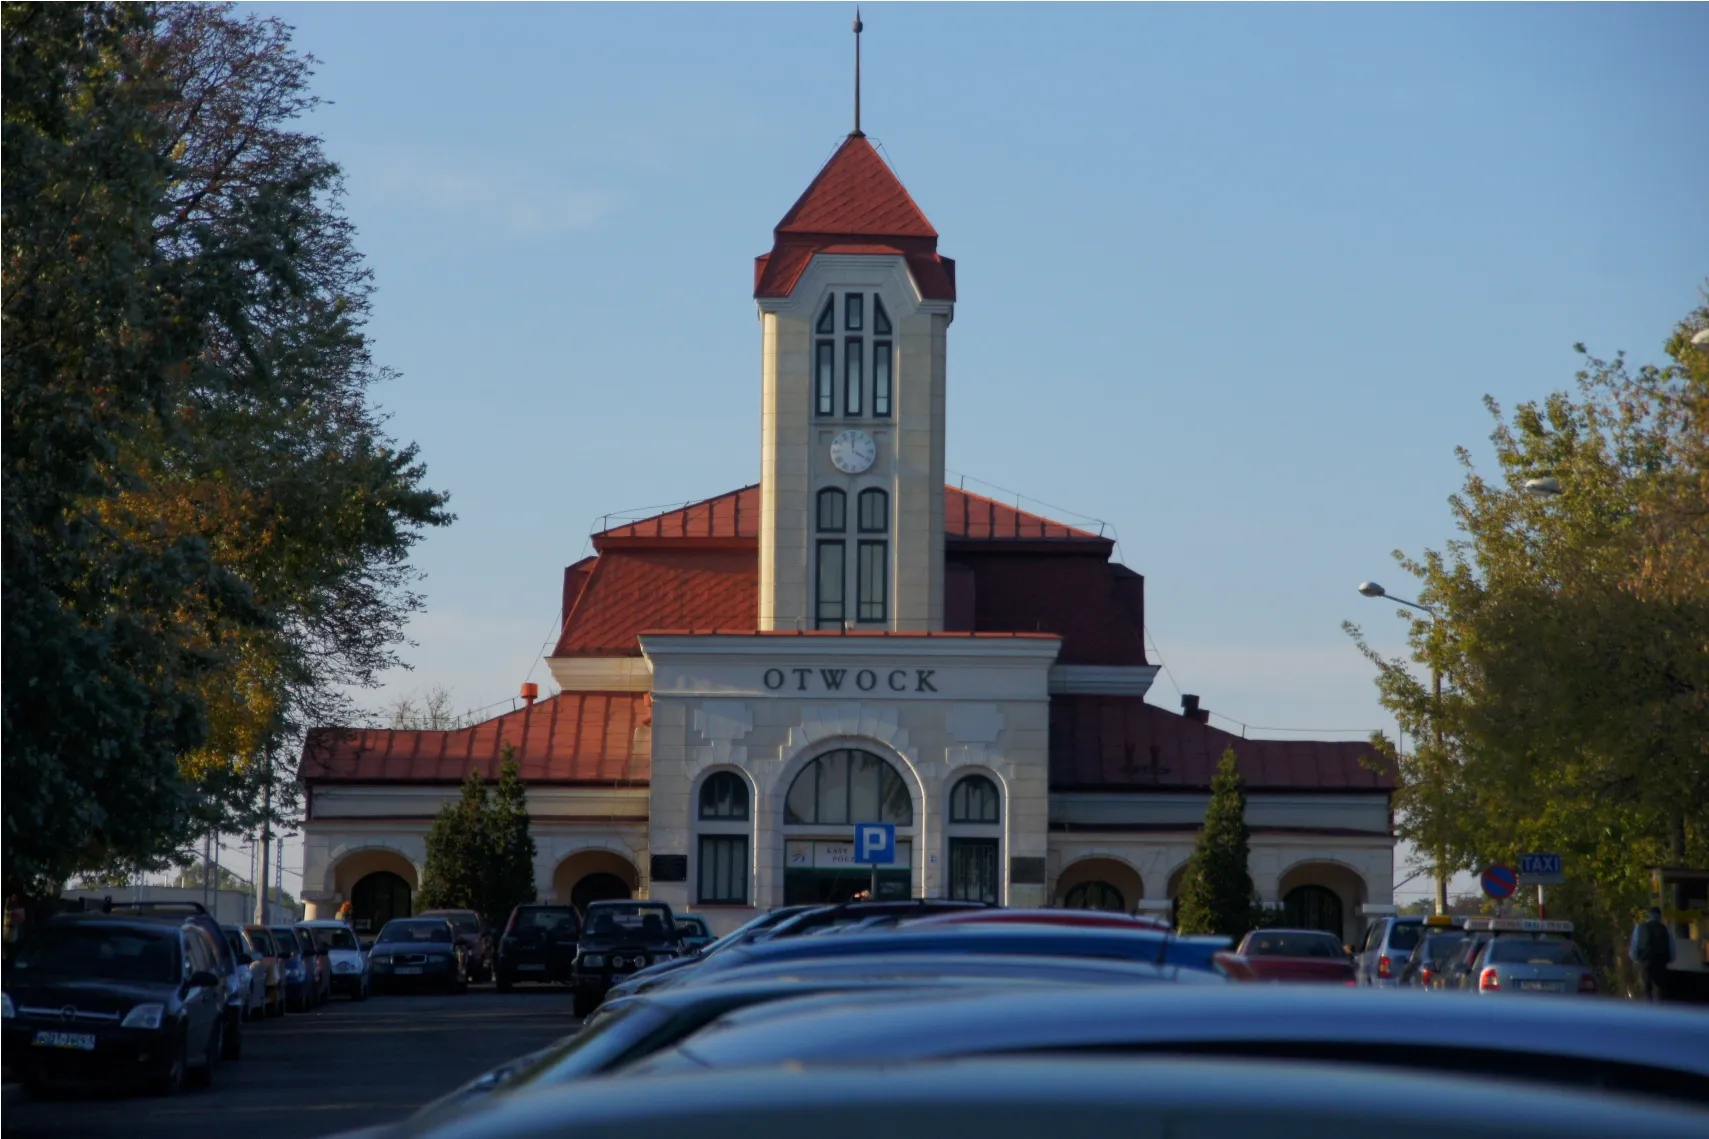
724 797
974 800
973 869
724 869
1095 896
846 787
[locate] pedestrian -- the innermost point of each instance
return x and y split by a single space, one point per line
1652 951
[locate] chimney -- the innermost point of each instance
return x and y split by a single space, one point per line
1190 709
530 692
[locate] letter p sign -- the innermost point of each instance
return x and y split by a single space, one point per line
875 843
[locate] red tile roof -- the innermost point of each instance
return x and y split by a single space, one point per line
635 589
855 204
973 517
1121 741
574 737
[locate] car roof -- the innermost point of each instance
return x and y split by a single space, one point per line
135 922
628 902
446 910
1044 941
1203 1016
1138 1098
949 967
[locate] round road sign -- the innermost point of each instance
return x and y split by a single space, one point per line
1500 881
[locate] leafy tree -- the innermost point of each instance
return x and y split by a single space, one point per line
1216 889
480 854
432 710
1573 635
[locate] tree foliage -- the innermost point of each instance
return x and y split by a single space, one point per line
480 854
1573 636
206 528
1216 888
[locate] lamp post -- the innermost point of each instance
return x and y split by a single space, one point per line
1372 589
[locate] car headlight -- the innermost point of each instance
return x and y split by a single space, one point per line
7 1012
144 1016
593 960
344 967
380 960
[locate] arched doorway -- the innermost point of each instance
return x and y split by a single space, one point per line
376 899
1099 884
598 888
1313 907
1095 895
825 801
598 875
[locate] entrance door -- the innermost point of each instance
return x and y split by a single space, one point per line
1314 907
376 899
973 869
598 888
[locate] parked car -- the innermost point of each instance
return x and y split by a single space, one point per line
1306 955
475 938
855 913
539 944
1533 962
696 934
418 952
316 958
1462 970
297 968
1384 949
255 966
262 938
114 998
619 937
1428 966
344 954
1099 919
234 980
753 930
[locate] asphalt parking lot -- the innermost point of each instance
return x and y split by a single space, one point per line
341 1066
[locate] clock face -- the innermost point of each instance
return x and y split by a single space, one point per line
853 451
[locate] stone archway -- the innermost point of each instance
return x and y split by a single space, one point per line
380 884
594 876
1324 893
1100 883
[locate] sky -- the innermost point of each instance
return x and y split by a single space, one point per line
1233 281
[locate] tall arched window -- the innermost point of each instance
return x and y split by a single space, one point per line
872 556
827 798
722 863
831 572
975 840
1095 896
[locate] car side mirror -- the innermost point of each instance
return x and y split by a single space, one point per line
202 979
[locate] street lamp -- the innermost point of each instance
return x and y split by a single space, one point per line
1372 589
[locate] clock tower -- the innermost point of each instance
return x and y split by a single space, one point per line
855 305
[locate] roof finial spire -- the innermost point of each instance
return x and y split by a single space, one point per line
857 132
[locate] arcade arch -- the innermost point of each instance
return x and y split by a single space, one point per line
1319 894
825 798
594 876
1100 884
380 884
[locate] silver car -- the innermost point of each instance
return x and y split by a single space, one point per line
1532 963
251 964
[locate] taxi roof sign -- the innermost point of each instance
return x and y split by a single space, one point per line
1517 925
1444 920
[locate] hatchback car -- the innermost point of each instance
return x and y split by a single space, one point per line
254 966
1384 950
1303 955
234 979
1428 966
297 968
98 998
344 954
316 959
475 938
418 952
539 945
262 938
1532 962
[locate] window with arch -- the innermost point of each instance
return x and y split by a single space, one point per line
833 511
974 800
842 353
724 796
845 787
873 515
1095 896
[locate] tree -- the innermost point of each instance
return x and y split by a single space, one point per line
430 711
480 853
1573 634
1216 890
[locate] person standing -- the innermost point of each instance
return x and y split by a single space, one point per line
1652 951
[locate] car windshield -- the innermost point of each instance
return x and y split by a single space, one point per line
549 921
1525 951
286 939
1403 937
337 937
308 940
431 931
693 927
1290 943
93 952
235 940
631 920
1443 946
263 940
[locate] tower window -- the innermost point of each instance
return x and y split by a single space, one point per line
852 312
870 578
852 373
828 318
874 511
881 378
880 318
724 797
829 613
825 366
833 510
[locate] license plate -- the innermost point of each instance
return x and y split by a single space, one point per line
531 968
409 970
1542 986
82 1041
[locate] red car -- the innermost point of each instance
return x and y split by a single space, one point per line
1097 919
1306 955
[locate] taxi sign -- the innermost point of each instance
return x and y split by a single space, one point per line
1517 925
1443 920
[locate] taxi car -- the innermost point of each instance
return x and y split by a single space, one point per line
1428 965
1527 955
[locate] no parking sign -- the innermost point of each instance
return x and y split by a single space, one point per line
1500 881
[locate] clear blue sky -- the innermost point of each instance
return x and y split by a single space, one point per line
1232 279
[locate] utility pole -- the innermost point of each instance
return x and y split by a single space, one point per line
261 914
1436 742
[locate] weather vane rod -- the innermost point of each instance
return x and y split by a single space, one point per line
857 133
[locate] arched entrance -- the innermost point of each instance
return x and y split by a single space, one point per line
1100 884
826 799
594 876
376 899
1313 907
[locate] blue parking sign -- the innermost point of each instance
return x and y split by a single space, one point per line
875 843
